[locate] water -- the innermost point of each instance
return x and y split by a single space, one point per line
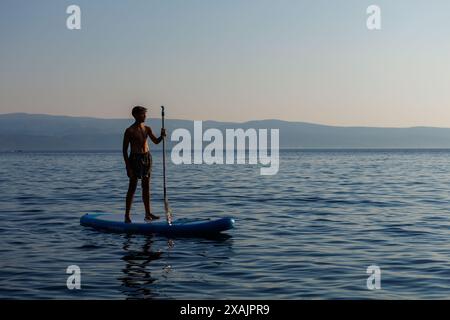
310 231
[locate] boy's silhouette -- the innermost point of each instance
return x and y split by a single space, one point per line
139 162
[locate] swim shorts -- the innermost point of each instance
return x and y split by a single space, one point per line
141 164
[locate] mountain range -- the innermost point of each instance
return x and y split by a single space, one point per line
39 132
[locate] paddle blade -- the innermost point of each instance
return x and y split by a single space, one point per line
168 212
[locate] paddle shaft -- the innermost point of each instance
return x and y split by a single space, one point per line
164 156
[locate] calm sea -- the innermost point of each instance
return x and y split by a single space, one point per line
310 231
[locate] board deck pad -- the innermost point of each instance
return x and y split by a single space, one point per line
182 227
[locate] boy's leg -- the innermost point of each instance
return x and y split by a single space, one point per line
146 198
130 194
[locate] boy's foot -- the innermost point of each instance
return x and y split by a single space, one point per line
150 217
127 219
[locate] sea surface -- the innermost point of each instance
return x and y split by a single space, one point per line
309 232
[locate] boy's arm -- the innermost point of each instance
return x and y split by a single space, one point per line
126 142
152 136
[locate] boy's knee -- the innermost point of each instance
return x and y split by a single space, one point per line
145 183
133 182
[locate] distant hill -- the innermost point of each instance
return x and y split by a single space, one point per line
33 132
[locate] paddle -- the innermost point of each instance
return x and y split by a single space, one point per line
166 202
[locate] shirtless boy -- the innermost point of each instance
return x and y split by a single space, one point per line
139 162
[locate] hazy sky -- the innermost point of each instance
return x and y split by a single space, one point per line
311 61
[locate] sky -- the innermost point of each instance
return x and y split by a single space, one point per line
312 61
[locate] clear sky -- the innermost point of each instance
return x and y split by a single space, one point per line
231 60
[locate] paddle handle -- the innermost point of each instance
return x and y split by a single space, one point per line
164 156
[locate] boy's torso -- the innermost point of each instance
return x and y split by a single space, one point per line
138 139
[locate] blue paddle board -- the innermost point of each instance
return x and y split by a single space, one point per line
182 227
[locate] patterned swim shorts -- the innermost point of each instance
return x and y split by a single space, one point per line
141 164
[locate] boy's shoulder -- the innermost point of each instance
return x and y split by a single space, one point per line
130 129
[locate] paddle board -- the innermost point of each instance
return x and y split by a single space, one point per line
182 227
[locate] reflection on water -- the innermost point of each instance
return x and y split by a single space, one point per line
137 278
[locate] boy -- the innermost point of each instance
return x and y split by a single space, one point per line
139 163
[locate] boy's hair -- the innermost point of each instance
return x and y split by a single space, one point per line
138 109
